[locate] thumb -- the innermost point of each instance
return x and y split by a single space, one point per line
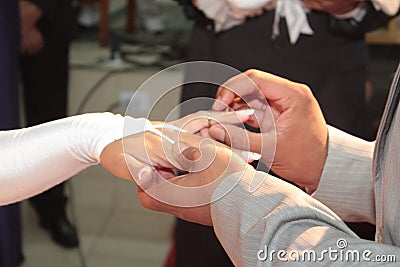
141 172
193 159
185 155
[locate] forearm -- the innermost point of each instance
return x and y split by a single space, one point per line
346 184
37 158
280 217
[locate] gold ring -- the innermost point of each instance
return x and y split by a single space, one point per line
209 118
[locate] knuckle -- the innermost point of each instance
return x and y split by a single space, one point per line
147 202
306 92
191 153
251 73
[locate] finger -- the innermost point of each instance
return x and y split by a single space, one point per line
237 137
194 159
239 116
166 172
141 173
252 83
204 133
248 156
185 155
239 85
193 123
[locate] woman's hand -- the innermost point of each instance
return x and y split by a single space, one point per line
136 157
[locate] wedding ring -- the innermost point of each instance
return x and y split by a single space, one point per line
209 118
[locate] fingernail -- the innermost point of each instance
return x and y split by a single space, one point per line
251 155
218 105
178 147
245 112
217 133
144 173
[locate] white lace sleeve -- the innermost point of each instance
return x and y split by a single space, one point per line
35 159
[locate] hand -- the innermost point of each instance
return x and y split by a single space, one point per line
134 156
221 163
294 122
31 38
197 123
333 7
31 42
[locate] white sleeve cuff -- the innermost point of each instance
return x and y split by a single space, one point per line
93 132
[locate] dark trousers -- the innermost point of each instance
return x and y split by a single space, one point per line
10 227
45 87
333 67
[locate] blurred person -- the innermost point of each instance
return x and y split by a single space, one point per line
47 28
328 53
10 226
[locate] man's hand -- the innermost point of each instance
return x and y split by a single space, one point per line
136 157
333 7
294 122
208 165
